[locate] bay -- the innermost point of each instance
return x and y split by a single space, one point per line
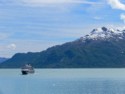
63 81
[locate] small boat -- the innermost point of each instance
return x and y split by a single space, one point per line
26 69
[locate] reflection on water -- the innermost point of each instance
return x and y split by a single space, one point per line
59 81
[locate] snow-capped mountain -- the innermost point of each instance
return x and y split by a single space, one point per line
101 48
105 33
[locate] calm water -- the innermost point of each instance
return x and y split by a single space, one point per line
63 81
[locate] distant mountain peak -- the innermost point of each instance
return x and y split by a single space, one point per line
2 59
104 33
101 30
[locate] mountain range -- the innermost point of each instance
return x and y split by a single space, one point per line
2 59
101 48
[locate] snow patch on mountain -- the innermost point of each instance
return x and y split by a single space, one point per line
104 33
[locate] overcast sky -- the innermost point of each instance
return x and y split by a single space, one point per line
35 25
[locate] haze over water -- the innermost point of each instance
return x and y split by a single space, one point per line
63 81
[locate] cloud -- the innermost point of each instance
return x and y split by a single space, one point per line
56 1
12 46
116 4
50 3
4 36
45 1
97 18
122 17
